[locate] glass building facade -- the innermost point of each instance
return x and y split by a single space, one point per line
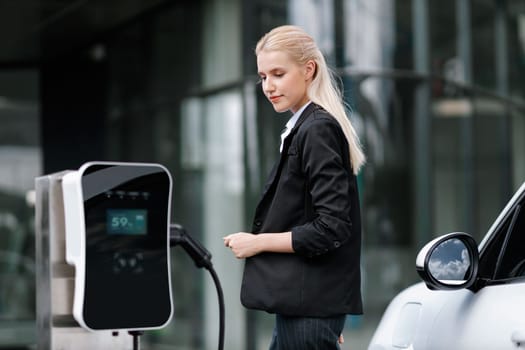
436 90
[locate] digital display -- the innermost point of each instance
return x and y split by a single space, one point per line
127 221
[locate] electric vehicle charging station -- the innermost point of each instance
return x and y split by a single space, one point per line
103 238
117 237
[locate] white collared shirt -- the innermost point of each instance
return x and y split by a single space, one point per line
291 123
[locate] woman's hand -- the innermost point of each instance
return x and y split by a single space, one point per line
242 244
245 245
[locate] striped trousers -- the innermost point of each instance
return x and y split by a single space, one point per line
307 333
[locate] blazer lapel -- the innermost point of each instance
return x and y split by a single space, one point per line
306 113
275 174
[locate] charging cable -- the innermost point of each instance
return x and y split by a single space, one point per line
202 258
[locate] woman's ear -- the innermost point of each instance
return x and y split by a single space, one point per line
309 69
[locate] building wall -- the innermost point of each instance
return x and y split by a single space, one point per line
436 94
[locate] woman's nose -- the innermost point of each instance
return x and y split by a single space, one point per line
268 85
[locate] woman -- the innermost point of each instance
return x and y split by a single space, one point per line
303 254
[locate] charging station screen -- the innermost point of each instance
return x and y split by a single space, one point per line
127 221
127 249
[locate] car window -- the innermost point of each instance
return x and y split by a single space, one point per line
511 263
504 257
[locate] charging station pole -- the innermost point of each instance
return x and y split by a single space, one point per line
56 326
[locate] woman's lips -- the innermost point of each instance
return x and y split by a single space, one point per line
274 98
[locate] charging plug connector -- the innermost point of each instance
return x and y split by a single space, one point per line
200 255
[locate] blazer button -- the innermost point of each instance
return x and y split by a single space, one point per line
258 223
337 244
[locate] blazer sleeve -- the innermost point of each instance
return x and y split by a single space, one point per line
330 186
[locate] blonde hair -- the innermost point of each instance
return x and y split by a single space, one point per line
323 89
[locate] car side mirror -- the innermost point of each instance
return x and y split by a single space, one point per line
449 262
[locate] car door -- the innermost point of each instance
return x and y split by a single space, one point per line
491 314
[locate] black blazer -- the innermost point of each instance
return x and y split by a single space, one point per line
311 192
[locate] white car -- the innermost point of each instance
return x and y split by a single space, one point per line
472 298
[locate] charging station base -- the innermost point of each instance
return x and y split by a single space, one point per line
56 326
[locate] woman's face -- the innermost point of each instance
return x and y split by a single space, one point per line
284 82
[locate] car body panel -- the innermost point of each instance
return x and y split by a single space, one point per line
489 317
